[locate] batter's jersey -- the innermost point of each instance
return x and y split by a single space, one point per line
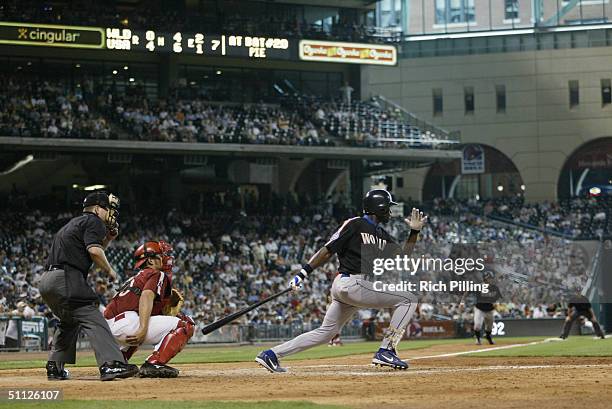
128 297
355 237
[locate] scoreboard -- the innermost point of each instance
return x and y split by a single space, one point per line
219 45
198 43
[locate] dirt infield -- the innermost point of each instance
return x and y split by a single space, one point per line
431 382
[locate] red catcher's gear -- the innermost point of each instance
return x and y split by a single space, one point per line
146 250
128 296
167 258
172 343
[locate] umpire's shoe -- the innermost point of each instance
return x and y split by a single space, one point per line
151 370
268 360
116 369
388 357
55 374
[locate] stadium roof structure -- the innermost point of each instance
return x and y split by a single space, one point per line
185 148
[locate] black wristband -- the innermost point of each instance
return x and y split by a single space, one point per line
412 231
307 268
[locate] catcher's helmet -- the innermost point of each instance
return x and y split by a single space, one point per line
378 202
146 250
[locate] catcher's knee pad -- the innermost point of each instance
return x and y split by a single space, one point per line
173 343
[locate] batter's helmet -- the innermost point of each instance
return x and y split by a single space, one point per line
146 250
378 202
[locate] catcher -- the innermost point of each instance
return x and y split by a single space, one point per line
146 310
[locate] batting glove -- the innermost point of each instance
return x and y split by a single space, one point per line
296 282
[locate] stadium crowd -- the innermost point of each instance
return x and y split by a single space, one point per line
49 109
579 217
60 108
225 259
272 21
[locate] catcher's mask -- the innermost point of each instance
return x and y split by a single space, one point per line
145 251
167 257
378 202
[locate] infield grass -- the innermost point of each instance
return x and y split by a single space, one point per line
217 354
576 346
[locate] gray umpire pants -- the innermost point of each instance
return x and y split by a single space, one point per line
73 319
349 294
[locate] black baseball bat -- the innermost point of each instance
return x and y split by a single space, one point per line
226 320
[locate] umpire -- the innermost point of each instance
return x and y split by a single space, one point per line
64 289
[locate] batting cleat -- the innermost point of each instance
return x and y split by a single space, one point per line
151 370
490 339
117 369
54 373
388 357
478 342
268 360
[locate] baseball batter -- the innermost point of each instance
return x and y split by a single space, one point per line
146 310
351 290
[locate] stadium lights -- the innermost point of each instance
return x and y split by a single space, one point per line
93 187
595 191
29 63
131 79
219 72
18 165
500 188
125 67
522 187
78 65
114 72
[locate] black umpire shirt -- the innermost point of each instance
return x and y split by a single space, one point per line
355 237
581 304
70 244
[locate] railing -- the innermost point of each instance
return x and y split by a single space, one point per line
269 333
431 134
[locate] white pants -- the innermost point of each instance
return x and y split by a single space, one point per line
483 317
349 294
126 324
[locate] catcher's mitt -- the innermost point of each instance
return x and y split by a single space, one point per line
175 303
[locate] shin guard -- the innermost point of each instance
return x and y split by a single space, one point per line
172 343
